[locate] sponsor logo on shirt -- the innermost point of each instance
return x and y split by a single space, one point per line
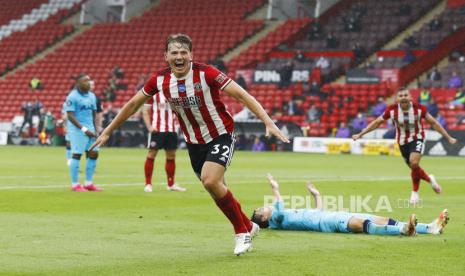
221 78
86 107
181 88
185 102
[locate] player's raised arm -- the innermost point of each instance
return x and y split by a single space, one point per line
274 187
253 105
128 109
316 195
372 126
435 124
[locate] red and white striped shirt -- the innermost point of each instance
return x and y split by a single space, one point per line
195 99
409 125
162 117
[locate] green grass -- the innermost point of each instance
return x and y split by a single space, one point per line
47 230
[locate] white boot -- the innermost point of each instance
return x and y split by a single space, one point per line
243 243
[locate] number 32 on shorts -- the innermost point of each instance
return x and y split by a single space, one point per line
225 150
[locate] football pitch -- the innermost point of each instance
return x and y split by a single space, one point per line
45 229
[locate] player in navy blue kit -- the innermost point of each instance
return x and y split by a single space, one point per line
81 107
278 218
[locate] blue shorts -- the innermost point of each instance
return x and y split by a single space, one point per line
334 222
67 137
80 142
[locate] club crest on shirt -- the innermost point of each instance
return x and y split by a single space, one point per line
197 86
220 78
181 88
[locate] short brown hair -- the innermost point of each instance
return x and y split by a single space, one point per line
257 218
403 88
180 38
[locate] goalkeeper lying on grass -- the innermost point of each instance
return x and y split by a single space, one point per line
318 220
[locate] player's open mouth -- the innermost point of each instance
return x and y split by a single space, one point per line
179 65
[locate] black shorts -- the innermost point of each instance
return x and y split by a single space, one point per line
414 146
220 150
163 140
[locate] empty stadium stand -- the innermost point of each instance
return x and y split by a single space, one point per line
428 37
11 10
136 46
259 51
377 21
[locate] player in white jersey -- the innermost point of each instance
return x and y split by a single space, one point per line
194 93
159 120
407 117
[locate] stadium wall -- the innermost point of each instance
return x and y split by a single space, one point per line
96 11
438 147
285 9
323 6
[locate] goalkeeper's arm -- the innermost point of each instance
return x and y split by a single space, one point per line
274 187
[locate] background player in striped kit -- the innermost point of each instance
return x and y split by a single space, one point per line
407 117
194 93
159 120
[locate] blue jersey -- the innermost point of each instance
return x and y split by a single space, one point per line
83 106
312 219
294 219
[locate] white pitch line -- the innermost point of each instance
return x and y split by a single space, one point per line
255 178
23 176
233 182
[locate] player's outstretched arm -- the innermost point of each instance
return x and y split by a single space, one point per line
372 126
274 187
128 109
316 195
435 124
253 105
